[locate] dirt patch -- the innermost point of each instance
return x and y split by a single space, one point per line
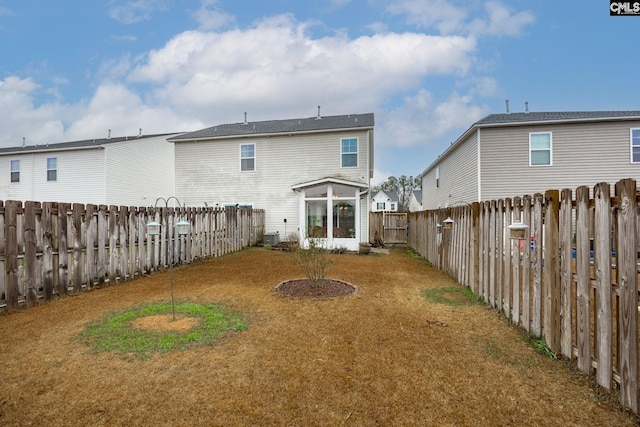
385 355
305 288
166 322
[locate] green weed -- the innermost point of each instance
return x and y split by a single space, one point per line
117 333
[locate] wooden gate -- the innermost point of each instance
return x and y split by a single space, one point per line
390 227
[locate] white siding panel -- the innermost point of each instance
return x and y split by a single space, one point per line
209 171
458 177
583 154
80 177
139 171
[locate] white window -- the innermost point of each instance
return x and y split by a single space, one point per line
380 206
394 206
635 145
540 149
52 169
349 152
438 177
15 170
248 157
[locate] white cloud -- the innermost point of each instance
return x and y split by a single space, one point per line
422 121
130 12
500 21
210 17
275 65
451 17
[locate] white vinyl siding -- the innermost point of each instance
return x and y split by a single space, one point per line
583 154
207 171
247 157
635 145
457 177
349 152
540 149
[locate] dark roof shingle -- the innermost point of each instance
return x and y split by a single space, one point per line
281 126
508 118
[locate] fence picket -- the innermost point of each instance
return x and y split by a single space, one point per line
602 266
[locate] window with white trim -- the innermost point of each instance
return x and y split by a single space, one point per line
380 206
15 170
247 157
52 169
540 145
635 145
349 152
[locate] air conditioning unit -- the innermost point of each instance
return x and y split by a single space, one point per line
271 238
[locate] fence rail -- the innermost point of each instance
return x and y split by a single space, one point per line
52 249
573 281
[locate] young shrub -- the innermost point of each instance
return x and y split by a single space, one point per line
314 261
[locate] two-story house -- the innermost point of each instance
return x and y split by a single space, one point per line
130 170
513 154
384 201
310 175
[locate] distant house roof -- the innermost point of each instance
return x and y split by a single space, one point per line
418 195
85 143
528 118
310 124
390 194
563 116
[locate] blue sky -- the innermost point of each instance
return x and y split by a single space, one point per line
428 69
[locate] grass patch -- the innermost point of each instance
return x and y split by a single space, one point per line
450 295
540 345
116 332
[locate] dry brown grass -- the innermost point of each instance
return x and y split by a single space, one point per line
384 356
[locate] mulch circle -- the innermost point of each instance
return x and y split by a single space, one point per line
304 288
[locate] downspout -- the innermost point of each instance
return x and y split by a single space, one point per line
479 166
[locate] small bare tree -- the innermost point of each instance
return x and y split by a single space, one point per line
314 261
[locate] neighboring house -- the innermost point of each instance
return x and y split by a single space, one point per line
310 175
386 201
513 154
131 171
415 201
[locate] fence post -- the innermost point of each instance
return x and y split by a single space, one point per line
583 323
566 214
628 282
602 266
12 290
551 272
30 251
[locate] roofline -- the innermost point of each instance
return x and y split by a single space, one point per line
332 180
268 134
51 150
474 127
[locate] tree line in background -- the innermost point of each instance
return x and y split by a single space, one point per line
403 186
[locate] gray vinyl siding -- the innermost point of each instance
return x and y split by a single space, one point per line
209 171
458 177
80 177
139 171
582 154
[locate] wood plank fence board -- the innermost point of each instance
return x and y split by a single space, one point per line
602 266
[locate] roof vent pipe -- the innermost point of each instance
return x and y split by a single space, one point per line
526 106
109 134
318 117
139 132
245 119
506 101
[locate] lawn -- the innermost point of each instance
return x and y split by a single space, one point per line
408 348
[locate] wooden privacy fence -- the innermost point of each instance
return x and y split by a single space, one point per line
573 281
388 227
53 249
